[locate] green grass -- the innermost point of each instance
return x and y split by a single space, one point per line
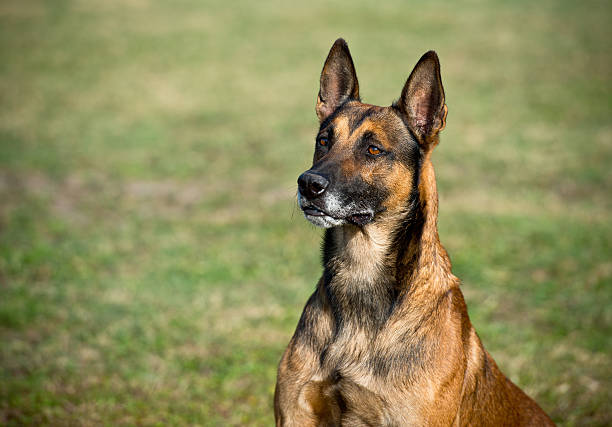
152 263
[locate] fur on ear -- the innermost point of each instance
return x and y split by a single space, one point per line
338 80
422 99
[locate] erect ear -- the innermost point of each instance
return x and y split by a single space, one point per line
422 99
338 80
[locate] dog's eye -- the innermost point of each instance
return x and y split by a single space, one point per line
373 150
323 142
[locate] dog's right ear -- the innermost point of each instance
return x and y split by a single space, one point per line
338 80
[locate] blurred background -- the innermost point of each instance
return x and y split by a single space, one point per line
153 263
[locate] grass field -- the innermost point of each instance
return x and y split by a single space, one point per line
153 264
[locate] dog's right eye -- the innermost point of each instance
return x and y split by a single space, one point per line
323 142
374 150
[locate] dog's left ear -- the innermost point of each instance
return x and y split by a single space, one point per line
422 99
338 80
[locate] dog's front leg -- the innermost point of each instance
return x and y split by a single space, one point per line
300 399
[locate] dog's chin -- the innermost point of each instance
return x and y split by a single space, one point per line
324 220
333 213
321 219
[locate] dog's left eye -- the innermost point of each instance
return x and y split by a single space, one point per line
323 142
373 150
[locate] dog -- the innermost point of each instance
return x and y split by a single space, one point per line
385 339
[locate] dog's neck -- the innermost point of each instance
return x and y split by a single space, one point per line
369 270
422 260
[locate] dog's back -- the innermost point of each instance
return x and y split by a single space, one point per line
386 339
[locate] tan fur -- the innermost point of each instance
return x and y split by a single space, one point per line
421 364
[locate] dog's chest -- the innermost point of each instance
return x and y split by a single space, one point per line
348 354
359 362
346 386
351 394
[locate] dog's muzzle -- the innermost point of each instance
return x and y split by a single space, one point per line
312 185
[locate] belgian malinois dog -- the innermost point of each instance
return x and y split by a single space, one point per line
385 339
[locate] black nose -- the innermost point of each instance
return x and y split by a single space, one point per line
312 185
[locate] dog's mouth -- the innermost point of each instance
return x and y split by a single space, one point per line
360 219
312 211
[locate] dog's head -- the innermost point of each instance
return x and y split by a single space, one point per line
367 158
